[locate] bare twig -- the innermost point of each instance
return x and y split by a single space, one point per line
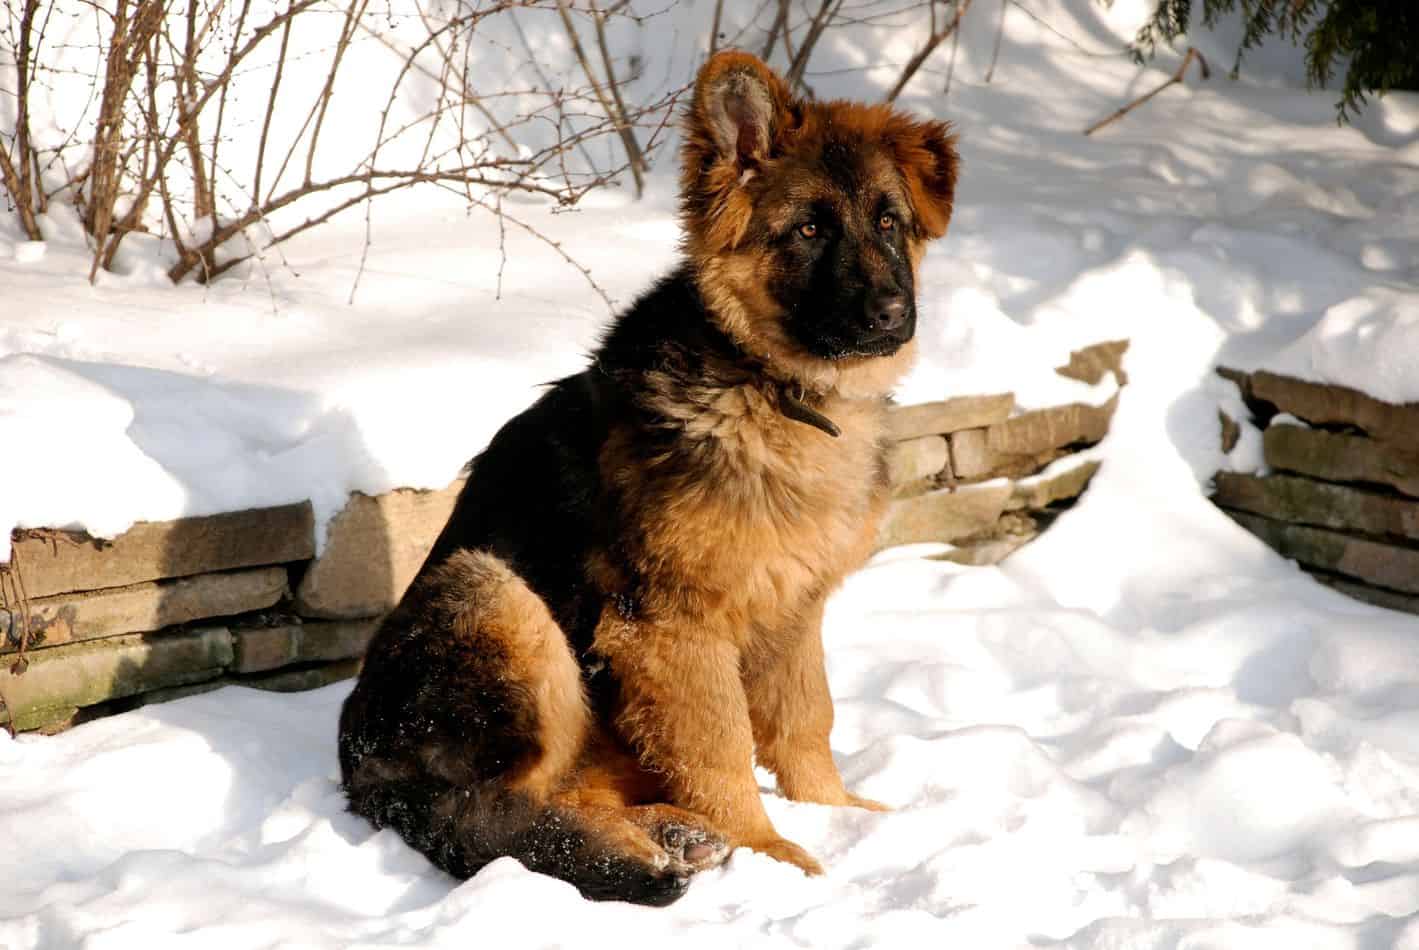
556 246
1176 77
623 124
609 105
152 161
347 33
203 202
937 37
36 42
502 246
23 182
222 101
270 110
714 26
951 63
779 23
543 78
799 62
393 180
129 45
999 34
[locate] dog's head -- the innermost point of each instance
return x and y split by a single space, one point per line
806 221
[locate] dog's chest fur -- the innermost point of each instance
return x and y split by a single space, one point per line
744 517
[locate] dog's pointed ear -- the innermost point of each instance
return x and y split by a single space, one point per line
739 109
926 152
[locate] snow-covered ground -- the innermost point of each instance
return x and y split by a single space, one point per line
1144 730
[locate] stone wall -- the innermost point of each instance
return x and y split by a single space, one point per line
1342 496
90 627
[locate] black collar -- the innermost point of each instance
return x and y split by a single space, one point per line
792 404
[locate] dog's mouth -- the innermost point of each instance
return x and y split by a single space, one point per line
886 345
844 339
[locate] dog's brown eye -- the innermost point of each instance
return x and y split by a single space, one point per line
809 230
886 223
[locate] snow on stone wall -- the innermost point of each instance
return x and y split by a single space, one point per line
90 627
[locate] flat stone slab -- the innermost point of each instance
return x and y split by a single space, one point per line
1023 445
373 549
950 415
299 680
1385 565
973 460
1012 531
56 682
1305 501
1338 457
1092 363
1056 427
942 515
915 460
61 562
258 649
1321 404
139 608
1043 491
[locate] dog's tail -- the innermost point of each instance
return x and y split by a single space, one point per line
463 829
468 718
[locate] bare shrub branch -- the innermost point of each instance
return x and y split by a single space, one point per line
1175 78
936 38
612 105
799 61
21 176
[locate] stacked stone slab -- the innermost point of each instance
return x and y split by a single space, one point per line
1342 498
975 473
167 609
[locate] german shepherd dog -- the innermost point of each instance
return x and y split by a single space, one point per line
623 612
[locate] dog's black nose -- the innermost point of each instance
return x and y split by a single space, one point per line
886 312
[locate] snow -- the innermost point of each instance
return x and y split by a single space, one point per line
1143 730
1370 342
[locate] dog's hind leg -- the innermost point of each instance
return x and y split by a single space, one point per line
465 734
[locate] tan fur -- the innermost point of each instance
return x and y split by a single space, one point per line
738 558
730 534
496 604
721 659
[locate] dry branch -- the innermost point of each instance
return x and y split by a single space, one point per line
714 26
937 37
147 158
999 35
24 206
780 23
611 106
22 181
799 60
1176 77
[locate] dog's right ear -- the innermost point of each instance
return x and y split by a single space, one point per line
739 108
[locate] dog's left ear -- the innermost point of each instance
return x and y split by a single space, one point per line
926 153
